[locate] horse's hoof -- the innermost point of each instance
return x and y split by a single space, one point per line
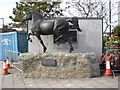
58 43
71 50
45 50
30 40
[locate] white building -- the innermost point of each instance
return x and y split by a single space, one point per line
119 13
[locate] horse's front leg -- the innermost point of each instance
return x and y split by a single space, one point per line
29 37
41 41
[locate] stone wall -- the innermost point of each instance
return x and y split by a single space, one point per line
68 65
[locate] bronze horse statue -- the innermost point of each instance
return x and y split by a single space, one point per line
57 26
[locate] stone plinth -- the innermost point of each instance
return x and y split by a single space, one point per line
63 65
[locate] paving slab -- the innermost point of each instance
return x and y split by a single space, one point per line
7 81
1 76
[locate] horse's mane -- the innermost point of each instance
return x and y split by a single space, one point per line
36 13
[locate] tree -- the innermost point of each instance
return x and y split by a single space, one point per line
92 8
48 9
88 8
7 29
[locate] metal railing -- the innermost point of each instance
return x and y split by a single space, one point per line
13 55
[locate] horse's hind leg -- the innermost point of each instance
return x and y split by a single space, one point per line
41 41
66 40
58 39
69 42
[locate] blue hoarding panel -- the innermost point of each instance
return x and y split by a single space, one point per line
13 41
22 42
8 41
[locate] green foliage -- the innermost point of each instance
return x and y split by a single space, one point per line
112 42
116 31
113 45
48 9
7 29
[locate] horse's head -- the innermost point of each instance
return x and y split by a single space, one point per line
28 16
33 14
74 21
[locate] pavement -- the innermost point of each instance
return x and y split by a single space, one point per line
15 80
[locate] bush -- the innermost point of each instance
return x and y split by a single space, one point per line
112 43
116 31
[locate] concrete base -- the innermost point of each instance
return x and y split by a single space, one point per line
59 65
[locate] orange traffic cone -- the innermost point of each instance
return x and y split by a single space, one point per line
108 72
8 62
5 71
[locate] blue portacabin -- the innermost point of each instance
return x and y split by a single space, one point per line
13 41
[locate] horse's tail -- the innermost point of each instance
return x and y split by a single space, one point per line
74 21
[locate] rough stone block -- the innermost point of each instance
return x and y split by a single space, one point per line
60 65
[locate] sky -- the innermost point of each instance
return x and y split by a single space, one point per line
6 7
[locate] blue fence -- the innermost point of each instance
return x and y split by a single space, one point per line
13 41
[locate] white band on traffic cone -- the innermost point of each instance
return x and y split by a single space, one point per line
107 64
8 60
4 65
